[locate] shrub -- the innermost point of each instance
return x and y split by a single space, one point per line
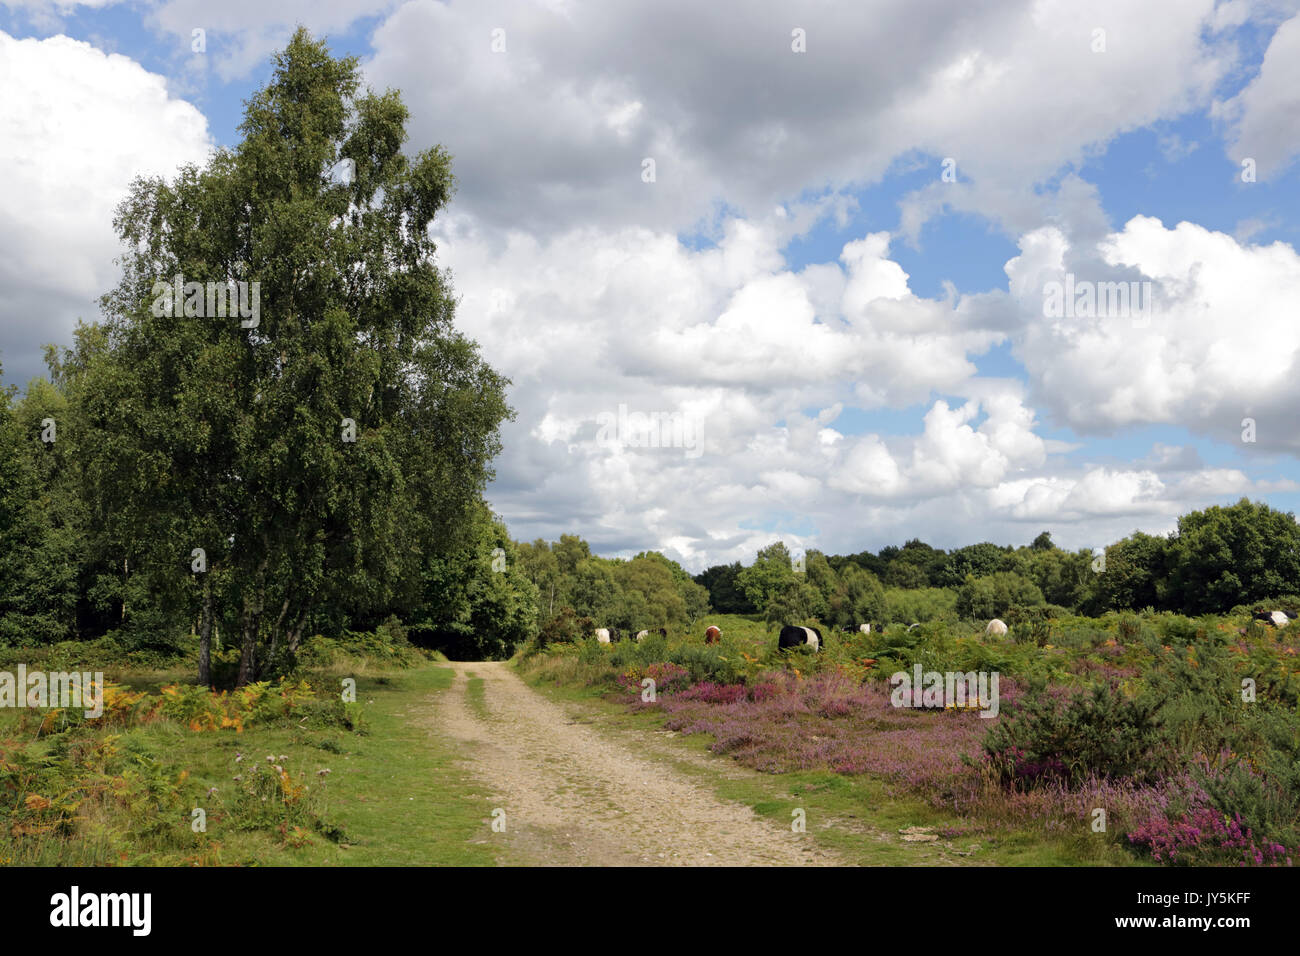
268 797
1096 732
1206 836
565 627
669 678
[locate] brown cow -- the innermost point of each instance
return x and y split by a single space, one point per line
712 634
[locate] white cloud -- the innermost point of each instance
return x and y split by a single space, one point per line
552 133
1264 118
76 126
1220 344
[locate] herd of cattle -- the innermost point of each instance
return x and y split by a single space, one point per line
791 635
796 636
612 635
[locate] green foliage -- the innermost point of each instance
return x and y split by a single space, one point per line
40 522
477 599
268 796
1135 574
920 605
1097 732
857 597
725 593
770 576
977 560
1236 555
1030 623
566 627
905 574
994 595
189 430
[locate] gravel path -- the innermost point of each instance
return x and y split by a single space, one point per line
573 796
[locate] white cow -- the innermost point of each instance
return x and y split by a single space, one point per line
1279 618
602 635
641 634
996 628
864 628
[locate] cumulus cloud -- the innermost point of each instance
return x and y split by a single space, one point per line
76 126
1220 343
576 280
768 361
554 130
1264 117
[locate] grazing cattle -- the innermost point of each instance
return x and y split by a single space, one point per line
1275 618
657 630
712 634
864 628
996 628
602 635
792 636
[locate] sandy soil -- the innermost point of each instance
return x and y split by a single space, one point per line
574 796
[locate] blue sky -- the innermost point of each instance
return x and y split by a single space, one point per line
863 344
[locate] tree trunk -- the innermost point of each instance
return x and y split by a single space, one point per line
279 624
205 634
247 657
295 633
254 604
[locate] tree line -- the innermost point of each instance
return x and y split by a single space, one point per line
1218 558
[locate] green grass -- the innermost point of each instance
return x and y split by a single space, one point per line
474 695
855 816
395 794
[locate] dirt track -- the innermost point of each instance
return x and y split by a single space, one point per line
574 796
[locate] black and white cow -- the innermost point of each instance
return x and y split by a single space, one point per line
1276 618
792 636
603 635
657 630
864 628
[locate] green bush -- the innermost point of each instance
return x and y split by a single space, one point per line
566 627
1095 732
920 605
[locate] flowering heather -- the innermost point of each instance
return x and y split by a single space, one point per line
708 692
669 678
830 722
1109 713
1205 835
